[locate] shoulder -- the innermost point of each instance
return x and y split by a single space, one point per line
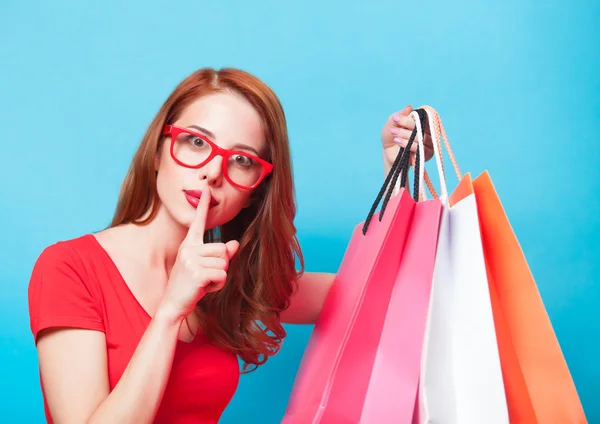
64 253
64 266
60 290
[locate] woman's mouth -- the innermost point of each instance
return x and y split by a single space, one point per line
193 198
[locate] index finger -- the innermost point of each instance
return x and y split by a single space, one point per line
195 234
403 113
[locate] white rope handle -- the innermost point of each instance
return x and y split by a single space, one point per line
436 152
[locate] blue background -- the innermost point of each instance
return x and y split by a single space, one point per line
516 83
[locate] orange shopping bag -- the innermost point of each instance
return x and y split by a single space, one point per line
542 364
538 384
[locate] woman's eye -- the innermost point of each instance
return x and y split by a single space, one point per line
243 160
196 141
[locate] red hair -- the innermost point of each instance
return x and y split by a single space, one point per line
243 317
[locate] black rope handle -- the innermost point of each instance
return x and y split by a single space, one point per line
399 167
401 170
400 162
391 175
404 167
423 120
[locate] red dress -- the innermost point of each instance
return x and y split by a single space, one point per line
75 283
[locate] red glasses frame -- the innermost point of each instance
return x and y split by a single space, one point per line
174 131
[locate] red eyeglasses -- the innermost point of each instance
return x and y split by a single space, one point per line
194 150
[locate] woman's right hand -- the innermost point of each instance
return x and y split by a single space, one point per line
199 268
397 131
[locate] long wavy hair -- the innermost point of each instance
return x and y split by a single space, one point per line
243 317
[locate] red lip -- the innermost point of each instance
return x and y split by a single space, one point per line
193 198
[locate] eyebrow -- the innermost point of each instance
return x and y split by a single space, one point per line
203 130
211 135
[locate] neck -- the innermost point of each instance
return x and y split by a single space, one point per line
156 244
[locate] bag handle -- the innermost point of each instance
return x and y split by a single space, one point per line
437 129
420 119
399 167
437 153
419 116
423 118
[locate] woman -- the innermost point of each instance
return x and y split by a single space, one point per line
144 321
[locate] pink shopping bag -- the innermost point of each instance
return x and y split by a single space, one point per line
362 362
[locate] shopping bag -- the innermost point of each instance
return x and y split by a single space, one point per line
393 385
461 375
333 383
539 385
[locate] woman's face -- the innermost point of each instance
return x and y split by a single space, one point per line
229 121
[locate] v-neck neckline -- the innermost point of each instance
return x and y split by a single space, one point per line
122 281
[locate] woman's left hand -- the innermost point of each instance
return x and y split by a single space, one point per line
397 131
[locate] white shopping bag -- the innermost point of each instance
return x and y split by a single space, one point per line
461 378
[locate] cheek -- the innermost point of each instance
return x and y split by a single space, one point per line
169 178
242 199
235 203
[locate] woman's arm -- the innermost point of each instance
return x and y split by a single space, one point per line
75 376
307 302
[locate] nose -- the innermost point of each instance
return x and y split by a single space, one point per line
213 171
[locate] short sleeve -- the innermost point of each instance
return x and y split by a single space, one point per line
59 294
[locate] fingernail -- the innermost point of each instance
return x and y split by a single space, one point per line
400 141
396 118
394 131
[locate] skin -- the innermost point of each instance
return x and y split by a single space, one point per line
171 269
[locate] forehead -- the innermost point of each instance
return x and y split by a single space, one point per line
230 117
